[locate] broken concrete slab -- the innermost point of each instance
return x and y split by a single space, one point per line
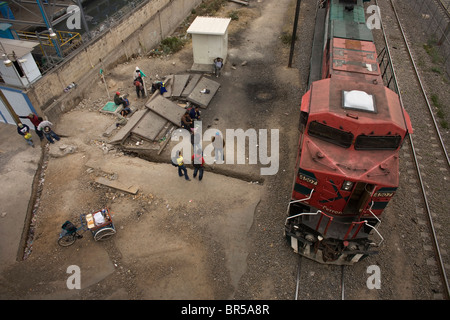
125 131
149 126
180 81
117 185
203 99
168 82
166 109
191 84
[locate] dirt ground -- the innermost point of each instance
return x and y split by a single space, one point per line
175 239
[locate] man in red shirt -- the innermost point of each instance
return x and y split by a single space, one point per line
198 162
35 120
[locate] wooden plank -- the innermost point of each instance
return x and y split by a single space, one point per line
203 99
117 185
239 1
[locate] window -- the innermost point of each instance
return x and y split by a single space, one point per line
364 142
330 134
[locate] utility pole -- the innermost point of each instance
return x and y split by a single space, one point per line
294 32
9 107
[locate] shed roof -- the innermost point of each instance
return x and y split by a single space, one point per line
19 47
209 25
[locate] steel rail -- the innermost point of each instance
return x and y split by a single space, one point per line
297 286
430 219
420 82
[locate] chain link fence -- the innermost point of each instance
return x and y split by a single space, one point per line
437 27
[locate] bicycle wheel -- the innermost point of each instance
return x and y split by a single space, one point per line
67 240
104 234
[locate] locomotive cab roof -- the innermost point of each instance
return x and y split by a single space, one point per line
356 106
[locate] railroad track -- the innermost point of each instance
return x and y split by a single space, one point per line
430 166
319 282
445 6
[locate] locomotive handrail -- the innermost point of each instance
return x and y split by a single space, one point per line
382 239
303 213
331 219
300 200
370 210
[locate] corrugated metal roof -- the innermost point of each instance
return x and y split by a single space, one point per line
19 47
209 25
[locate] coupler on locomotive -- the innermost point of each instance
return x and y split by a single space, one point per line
329 239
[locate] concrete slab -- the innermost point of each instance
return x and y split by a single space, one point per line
166 109
110 107
203 99
150 126
180 81
169 86
193 80
199 67
125 131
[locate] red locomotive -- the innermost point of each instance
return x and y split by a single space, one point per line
352 128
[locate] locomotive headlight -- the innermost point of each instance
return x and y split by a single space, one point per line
347 185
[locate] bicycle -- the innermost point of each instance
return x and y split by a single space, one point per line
69 234
99 223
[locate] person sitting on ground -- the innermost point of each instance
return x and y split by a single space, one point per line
118 100
125 112
186 121
194 113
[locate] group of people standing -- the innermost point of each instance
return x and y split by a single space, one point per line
43 128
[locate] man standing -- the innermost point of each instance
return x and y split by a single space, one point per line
139 84
24 131
46 127
35 121
181 167
198 162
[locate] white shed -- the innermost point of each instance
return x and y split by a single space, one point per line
23 70
209 40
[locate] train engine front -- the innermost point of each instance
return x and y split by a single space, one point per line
347 168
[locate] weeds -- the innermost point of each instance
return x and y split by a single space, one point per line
234 15
430 48
440 111
171 45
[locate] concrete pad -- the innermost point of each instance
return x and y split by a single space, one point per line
166 109
180 81
125 131
200 67
191 84
150 126
110 107
203 99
